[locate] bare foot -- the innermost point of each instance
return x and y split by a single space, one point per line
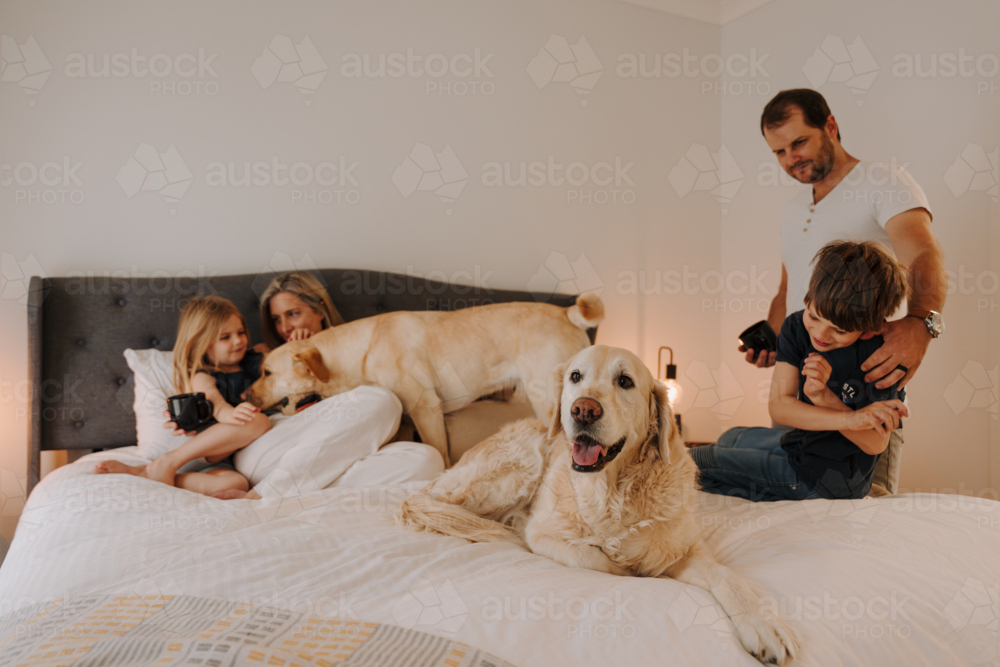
118 468
236 494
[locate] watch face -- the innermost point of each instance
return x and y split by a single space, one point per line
935 324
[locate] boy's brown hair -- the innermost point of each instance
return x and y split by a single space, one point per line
856 286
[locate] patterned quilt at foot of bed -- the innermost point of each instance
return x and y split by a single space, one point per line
134 631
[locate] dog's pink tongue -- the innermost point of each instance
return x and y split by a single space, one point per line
584 455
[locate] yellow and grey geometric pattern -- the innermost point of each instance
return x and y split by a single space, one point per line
141 631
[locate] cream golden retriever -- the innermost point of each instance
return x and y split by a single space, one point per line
608 486
435 362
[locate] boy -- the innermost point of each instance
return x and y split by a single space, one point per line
839 423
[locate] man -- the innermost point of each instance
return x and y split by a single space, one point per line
853 200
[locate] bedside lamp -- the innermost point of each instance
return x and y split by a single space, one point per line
674 390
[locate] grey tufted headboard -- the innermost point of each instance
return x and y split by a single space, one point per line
78 328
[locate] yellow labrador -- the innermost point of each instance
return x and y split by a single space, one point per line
435 362
609 487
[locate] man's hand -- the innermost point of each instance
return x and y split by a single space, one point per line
905 345
882 416
817 371
764 360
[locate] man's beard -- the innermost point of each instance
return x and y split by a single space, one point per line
821 166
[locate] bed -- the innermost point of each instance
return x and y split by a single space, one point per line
118 570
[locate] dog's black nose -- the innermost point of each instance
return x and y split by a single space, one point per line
586 410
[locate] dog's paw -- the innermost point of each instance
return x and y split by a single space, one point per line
769 640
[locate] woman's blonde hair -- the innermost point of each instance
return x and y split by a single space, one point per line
306 287
201 323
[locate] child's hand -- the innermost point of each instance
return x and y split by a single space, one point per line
299 334
817 371
883 416
173 426
244 413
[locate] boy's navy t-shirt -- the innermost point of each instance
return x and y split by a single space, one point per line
829 463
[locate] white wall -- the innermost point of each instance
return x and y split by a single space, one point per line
688 220
925 123
507 236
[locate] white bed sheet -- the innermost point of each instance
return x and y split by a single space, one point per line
904 580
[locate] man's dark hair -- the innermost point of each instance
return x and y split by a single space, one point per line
814 109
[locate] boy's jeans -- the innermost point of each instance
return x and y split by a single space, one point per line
750 463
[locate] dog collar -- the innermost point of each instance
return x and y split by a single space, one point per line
304 402
309 399
602 459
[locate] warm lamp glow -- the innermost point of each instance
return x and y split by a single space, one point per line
674 391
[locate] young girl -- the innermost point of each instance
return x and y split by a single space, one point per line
211 356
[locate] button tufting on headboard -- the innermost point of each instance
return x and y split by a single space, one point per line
74 344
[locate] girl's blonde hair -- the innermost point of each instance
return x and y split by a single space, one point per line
305 286
201 322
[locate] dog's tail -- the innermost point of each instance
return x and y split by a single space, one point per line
587 312
421 512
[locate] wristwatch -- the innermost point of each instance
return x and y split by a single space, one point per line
932 319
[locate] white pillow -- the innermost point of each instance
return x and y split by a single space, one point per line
154 381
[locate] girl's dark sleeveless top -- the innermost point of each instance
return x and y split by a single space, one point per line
232 385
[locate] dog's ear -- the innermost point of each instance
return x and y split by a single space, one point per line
662 416
555 421
313 361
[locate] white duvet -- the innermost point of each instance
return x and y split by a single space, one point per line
905 580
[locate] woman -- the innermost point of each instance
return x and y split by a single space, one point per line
296 306
293 307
